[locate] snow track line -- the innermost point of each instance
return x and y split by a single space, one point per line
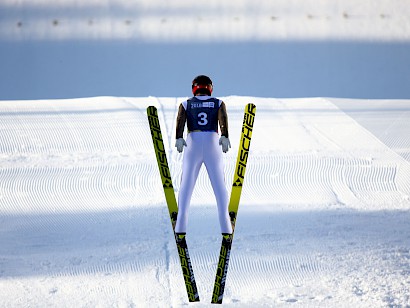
67 156
278 270
61 188
316 178
80 269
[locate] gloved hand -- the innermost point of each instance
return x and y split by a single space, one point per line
226 144
180 143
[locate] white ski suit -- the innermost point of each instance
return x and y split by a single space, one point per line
202 114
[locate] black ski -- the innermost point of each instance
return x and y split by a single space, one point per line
164 171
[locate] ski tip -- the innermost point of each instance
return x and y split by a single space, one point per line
217 298
196 299
250 108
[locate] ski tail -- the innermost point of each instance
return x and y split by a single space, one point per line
239 176
161 156
222 269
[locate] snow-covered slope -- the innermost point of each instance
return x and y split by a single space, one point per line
323 218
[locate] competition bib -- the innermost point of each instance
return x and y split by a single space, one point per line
202 115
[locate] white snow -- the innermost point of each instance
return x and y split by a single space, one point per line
323 221
325 210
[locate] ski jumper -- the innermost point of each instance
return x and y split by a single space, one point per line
202 115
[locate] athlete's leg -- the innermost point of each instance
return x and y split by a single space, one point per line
191 165
214 166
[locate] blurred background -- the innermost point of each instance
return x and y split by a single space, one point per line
284 48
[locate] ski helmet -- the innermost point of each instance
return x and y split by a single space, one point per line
202 84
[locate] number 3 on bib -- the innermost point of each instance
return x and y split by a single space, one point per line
203 118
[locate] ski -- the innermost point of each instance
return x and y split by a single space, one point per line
160 153
243 154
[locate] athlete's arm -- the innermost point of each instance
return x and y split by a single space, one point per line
223 120
181 119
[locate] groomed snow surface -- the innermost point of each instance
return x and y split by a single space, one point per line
323 221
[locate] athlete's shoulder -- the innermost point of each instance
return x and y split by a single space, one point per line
185 103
